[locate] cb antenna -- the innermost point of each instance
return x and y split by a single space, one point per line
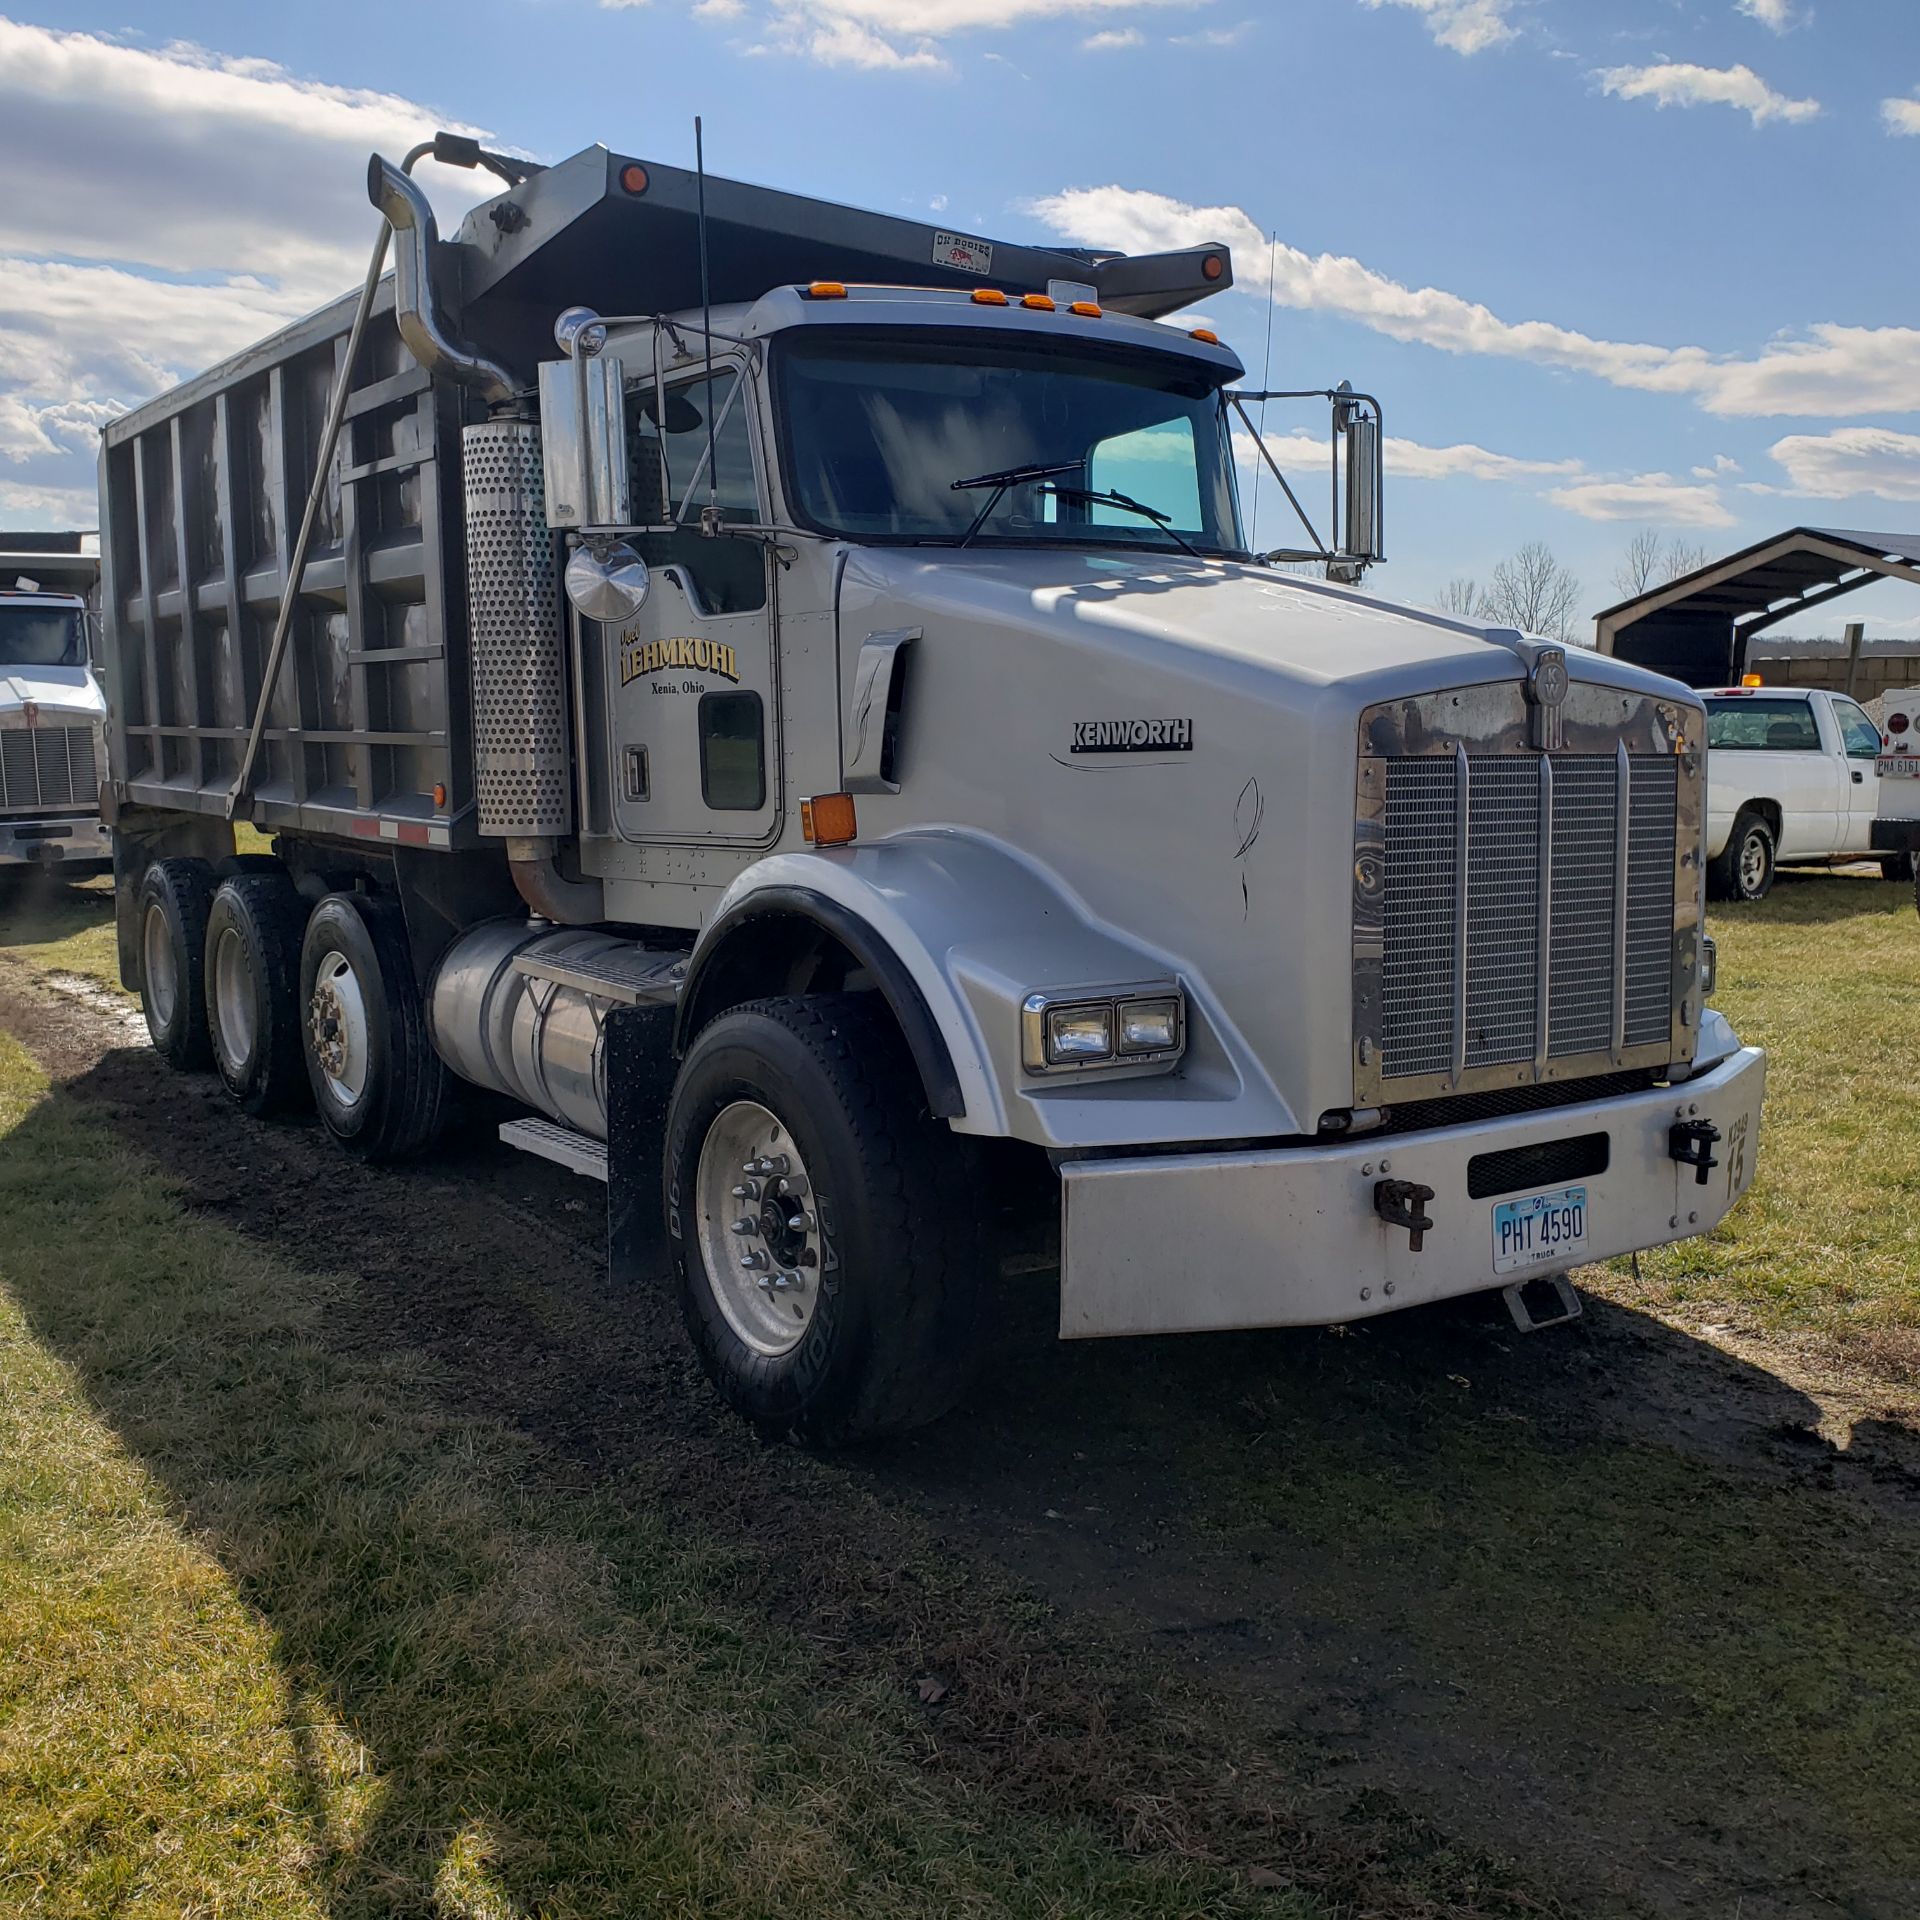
710 518
1266 372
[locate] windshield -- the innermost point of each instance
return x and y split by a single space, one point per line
41 636
878 432
1762 726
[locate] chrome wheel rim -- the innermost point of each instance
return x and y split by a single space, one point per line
233 1002
157 967
1753 862
337 1029
757 1231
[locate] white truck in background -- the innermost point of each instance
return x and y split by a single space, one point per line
1792 780
1896 828
53 748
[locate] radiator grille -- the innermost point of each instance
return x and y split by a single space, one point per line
44 767
1466 996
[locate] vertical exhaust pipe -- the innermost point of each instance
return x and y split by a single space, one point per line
414 238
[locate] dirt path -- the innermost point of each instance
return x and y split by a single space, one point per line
1366 1612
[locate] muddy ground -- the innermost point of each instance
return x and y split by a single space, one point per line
1143 1581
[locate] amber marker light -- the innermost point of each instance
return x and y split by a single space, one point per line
1039 303
1205 334
439 795
1085 309
989 297
827 290
827 819
1751 680
635 179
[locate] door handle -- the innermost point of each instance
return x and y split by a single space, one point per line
1859 778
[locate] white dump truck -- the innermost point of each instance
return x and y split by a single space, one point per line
53 741
782 695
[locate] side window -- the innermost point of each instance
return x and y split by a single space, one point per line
668 475
733 759
1769 726
1154 465
1862 737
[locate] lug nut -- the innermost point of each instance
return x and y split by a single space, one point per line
742 1226
747 1190
754 1262
800 1222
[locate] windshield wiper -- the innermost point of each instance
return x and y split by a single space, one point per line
1089 496
1000 482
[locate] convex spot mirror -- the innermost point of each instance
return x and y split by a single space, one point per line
607 581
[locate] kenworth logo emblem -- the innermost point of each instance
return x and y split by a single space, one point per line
1133 736
1547 685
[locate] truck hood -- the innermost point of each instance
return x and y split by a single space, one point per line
70 690
1242 627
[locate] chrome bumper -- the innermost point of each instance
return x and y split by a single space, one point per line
55 843
1290 1237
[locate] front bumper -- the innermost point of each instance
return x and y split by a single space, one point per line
1288 1237
86 841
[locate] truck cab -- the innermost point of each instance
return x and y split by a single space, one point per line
1792 780
53 758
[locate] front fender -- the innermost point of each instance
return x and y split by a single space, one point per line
974 930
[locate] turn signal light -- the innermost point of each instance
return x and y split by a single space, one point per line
989 297
827 290
634 179
439 795
1751 680
827 820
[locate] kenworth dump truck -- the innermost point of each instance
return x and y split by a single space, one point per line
782 696
53 715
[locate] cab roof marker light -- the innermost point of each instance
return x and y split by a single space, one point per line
1206 335
989 297
827 290
1039 303
1087 310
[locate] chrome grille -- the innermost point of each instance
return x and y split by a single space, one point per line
43 767
1536 929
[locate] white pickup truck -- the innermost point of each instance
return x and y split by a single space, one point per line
1792 780
1896 828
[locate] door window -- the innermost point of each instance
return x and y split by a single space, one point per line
733 755
1862 737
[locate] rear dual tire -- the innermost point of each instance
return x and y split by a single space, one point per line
175 899
252 990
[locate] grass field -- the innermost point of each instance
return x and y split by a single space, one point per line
289 1627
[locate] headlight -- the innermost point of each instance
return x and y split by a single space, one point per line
1078 1029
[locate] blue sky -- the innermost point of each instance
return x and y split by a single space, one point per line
1611 264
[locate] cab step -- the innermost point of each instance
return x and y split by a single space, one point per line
1547 1300
577 1152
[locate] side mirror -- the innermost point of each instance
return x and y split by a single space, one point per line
583 440
1360 537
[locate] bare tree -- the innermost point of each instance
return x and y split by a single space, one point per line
1460 597
1681 559
1639 565
1534 592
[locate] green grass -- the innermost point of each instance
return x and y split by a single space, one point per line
289 1634
1825 974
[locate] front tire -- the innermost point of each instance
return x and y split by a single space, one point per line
826 1230
174 900
253 990
1745 869
378 1085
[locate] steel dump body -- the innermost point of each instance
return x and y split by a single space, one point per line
368 731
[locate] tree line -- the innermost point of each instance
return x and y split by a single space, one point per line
1534 591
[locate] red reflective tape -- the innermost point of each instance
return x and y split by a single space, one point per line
414 836
367 829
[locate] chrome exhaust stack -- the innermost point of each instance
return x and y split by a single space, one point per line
415 236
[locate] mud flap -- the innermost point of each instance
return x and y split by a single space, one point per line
638 1053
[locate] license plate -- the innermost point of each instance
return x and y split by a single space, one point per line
1544 1229
1899 766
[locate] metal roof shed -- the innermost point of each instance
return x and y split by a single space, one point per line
1696 628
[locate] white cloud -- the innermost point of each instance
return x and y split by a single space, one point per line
1412 460
904 35
1215 37
1833 370
1850 460
1114 40
1901 116
51 506
1681 84
1654 498
717 9
182 204
1777 14
1723 464
1467 26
